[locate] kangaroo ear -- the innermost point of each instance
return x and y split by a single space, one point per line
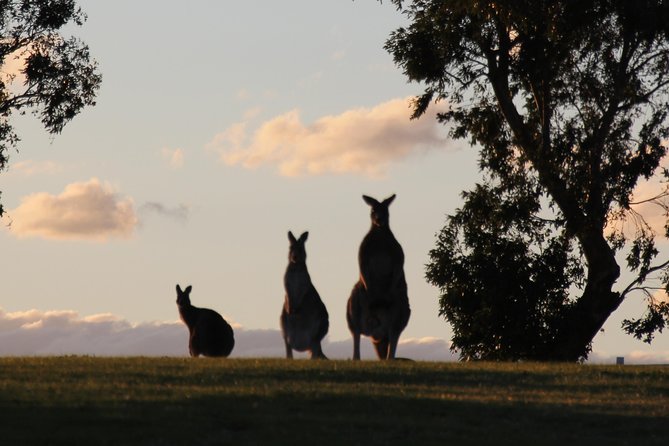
304 236
291 238
370 201
179 289
389 200
188 289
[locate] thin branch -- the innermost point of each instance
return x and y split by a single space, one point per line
653 200
633 285
641 63
645 290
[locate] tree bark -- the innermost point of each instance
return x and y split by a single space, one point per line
588 314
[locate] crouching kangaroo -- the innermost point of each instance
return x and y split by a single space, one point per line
379 303
210 334
304 318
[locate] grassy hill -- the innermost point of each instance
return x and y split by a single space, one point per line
183 401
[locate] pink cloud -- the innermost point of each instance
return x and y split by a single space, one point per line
83 211
173 157
11 68
364 141
38 333
32 168
649 205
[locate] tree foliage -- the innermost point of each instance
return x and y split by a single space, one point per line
57 77
567 101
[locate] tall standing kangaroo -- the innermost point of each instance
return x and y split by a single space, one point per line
304 318
210 334
379 303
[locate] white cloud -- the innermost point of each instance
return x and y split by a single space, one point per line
365 141
65 332
38 333
83 211
633 357
644 357
34 333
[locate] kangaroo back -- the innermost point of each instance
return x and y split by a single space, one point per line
209 333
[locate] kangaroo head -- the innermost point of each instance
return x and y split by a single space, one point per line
379 213
297 253
183 297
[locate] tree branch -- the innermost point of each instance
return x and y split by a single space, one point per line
640 279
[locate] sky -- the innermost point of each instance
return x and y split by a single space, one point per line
218 128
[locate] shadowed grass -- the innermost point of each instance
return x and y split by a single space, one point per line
183 401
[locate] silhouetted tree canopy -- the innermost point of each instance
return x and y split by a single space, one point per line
57 77
567 103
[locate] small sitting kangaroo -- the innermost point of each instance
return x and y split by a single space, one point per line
210 334
304 318
379 303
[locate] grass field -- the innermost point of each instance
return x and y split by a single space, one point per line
183 401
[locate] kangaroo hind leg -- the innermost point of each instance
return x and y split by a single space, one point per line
381 346
317 352
392 347
289 349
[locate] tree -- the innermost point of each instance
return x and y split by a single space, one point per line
567 101
58 76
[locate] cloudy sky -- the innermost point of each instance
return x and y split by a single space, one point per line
219 127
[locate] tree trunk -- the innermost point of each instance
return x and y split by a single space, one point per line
583 321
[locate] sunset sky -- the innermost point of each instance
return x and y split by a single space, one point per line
220 126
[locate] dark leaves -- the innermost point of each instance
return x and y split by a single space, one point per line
49 14
655 320
504 275
64 80
567 102
60 76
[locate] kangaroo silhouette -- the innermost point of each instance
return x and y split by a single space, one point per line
379 304
210 334
304 318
